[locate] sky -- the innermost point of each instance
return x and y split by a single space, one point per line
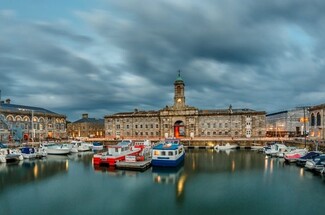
102 57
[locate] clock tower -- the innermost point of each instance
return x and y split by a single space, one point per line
179 96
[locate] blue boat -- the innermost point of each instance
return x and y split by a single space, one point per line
168 154
309 156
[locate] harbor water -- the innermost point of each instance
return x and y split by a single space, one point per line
209 182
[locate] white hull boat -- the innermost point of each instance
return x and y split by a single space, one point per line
226 147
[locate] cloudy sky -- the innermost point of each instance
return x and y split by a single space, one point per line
103 57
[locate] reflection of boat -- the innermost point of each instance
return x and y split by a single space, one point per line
162 175
169 153
116 153
225 147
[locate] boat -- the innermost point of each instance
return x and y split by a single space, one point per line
169 153
294 155
276 149
56 149
116 153
10 155
316 164
310 155
28 152
97 146
80 147
256 146
225 147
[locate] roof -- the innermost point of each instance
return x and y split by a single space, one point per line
24 108
90 120
179 78
163 146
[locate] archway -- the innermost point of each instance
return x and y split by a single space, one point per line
179 129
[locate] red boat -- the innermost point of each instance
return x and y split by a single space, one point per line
117 153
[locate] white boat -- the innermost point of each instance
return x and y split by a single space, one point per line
256 146
276 149
8 155
225 147
294 155
57 149
80 147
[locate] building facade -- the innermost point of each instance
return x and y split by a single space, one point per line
289 123
86 128
23 123
183 121
317 114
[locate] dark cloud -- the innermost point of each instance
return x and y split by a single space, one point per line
265 55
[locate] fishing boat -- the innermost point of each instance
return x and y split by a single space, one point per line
169 153
116 153
226 147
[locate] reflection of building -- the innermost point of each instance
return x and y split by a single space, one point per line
25 122
287 123
317 125
86 127
183 121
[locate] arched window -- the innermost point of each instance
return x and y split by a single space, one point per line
318 120
312 123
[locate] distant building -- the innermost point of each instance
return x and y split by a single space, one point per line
289 123
183 121
22 123
317 114
86 127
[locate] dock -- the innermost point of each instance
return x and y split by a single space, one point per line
136 166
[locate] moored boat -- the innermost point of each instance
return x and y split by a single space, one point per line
57 149
97 146
226 147
294 155
169 153
316 164
309 156
116 153
28 152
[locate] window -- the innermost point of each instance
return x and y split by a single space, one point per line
163 153
170 153
312 123
318 120
118 126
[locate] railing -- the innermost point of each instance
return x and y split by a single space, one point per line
3 119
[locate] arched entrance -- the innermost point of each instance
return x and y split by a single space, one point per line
179 129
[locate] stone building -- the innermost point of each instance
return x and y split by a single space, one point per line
22 123
86 127
183 121
317 114
288 123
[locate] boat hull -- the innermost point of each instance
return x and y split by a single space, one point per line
102 159
166 162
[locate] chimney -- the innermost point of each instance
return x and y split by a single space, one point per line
7 101
85 115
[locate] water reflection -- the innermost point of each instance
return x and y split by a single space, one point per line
30 170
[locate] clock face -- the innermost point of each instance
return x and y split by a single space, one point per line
179 100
